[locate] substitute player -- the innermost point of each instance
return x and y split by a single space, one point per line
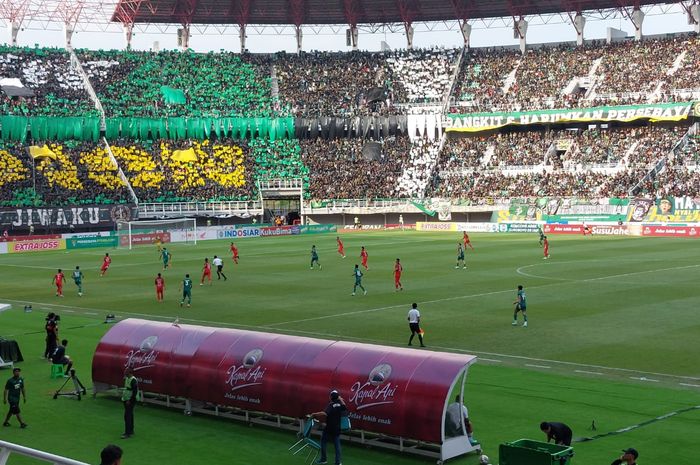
460 257
467 241
160 287
234 251
165 256
78 280
357 273
106 261
520 306
545 246
363 256
206 272
398 269
341 247
58 281
314 258
219 264
186 288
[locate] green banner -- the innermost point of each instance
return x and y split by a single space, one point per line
318 228
424 208
172 96
488 121
91 242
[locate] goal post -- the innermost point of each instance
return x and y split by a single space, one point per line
136 233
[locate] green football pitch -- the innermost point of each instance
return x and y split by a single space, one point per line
613 337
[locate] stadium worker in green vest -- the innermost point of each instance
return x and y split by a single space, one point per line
129 397
186 288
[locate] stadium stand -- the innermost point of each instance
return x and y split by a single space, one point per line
339 170
170 83
41 81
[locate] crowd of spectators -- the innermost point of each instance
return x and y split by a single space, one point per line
423 157
15 176
339 170
629 72
47 74
422 76
222 84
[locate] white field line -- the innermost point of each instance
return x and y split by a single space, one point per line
372 341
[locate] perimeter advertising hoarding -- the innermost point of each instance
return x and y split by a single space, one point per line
38 245
91 241
422 226
596 230
386 388
145 238
671 231
79 216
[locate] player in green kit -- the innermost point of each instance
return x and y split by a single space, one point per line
357 273
539 230
520 306
165 255
186 288
460 256
78 279
314 258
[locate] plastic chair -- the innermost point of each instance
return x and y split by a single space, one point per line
56 370
306 441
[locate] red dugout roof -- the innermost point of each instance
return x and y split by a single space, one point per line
354 12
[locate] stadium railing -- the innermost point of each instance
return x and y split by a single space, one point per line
7 448
186 209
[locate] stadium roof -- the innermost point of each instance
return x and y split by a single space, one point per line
298 12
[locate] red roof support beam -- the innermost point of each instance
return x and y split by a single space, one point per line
296 11
239 10
408 10
184 11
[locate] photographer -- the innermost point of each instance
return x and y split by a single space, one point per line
51 328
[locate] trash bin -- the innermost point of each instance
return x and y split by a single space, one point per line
529 452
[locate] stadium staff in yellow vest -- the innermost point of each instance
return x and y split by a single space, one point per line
129 397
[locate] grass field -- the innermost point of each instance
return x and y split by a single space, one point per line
613 337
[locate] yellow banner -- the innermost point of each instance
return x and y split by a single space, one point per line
37 245
422 226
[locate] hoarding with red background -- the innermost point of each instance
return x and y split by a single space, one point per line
388 390
671 231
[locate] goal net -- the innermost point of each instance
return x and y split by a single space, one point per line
135 233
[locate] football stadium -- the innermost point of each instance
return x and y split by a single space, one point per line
365 254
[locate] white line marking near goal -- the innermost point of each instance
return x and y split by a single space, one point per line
537 366
644 378
586 372
492 360
690 385
90 313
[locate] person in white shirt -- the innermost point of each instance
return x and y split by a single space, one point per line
219 264
414 324
457 411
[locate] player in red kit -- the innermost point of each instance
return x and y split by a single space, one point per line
397 275
234 251
363 255
160 287
341 247
206 272
545 245
467 242
58 281
106 261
